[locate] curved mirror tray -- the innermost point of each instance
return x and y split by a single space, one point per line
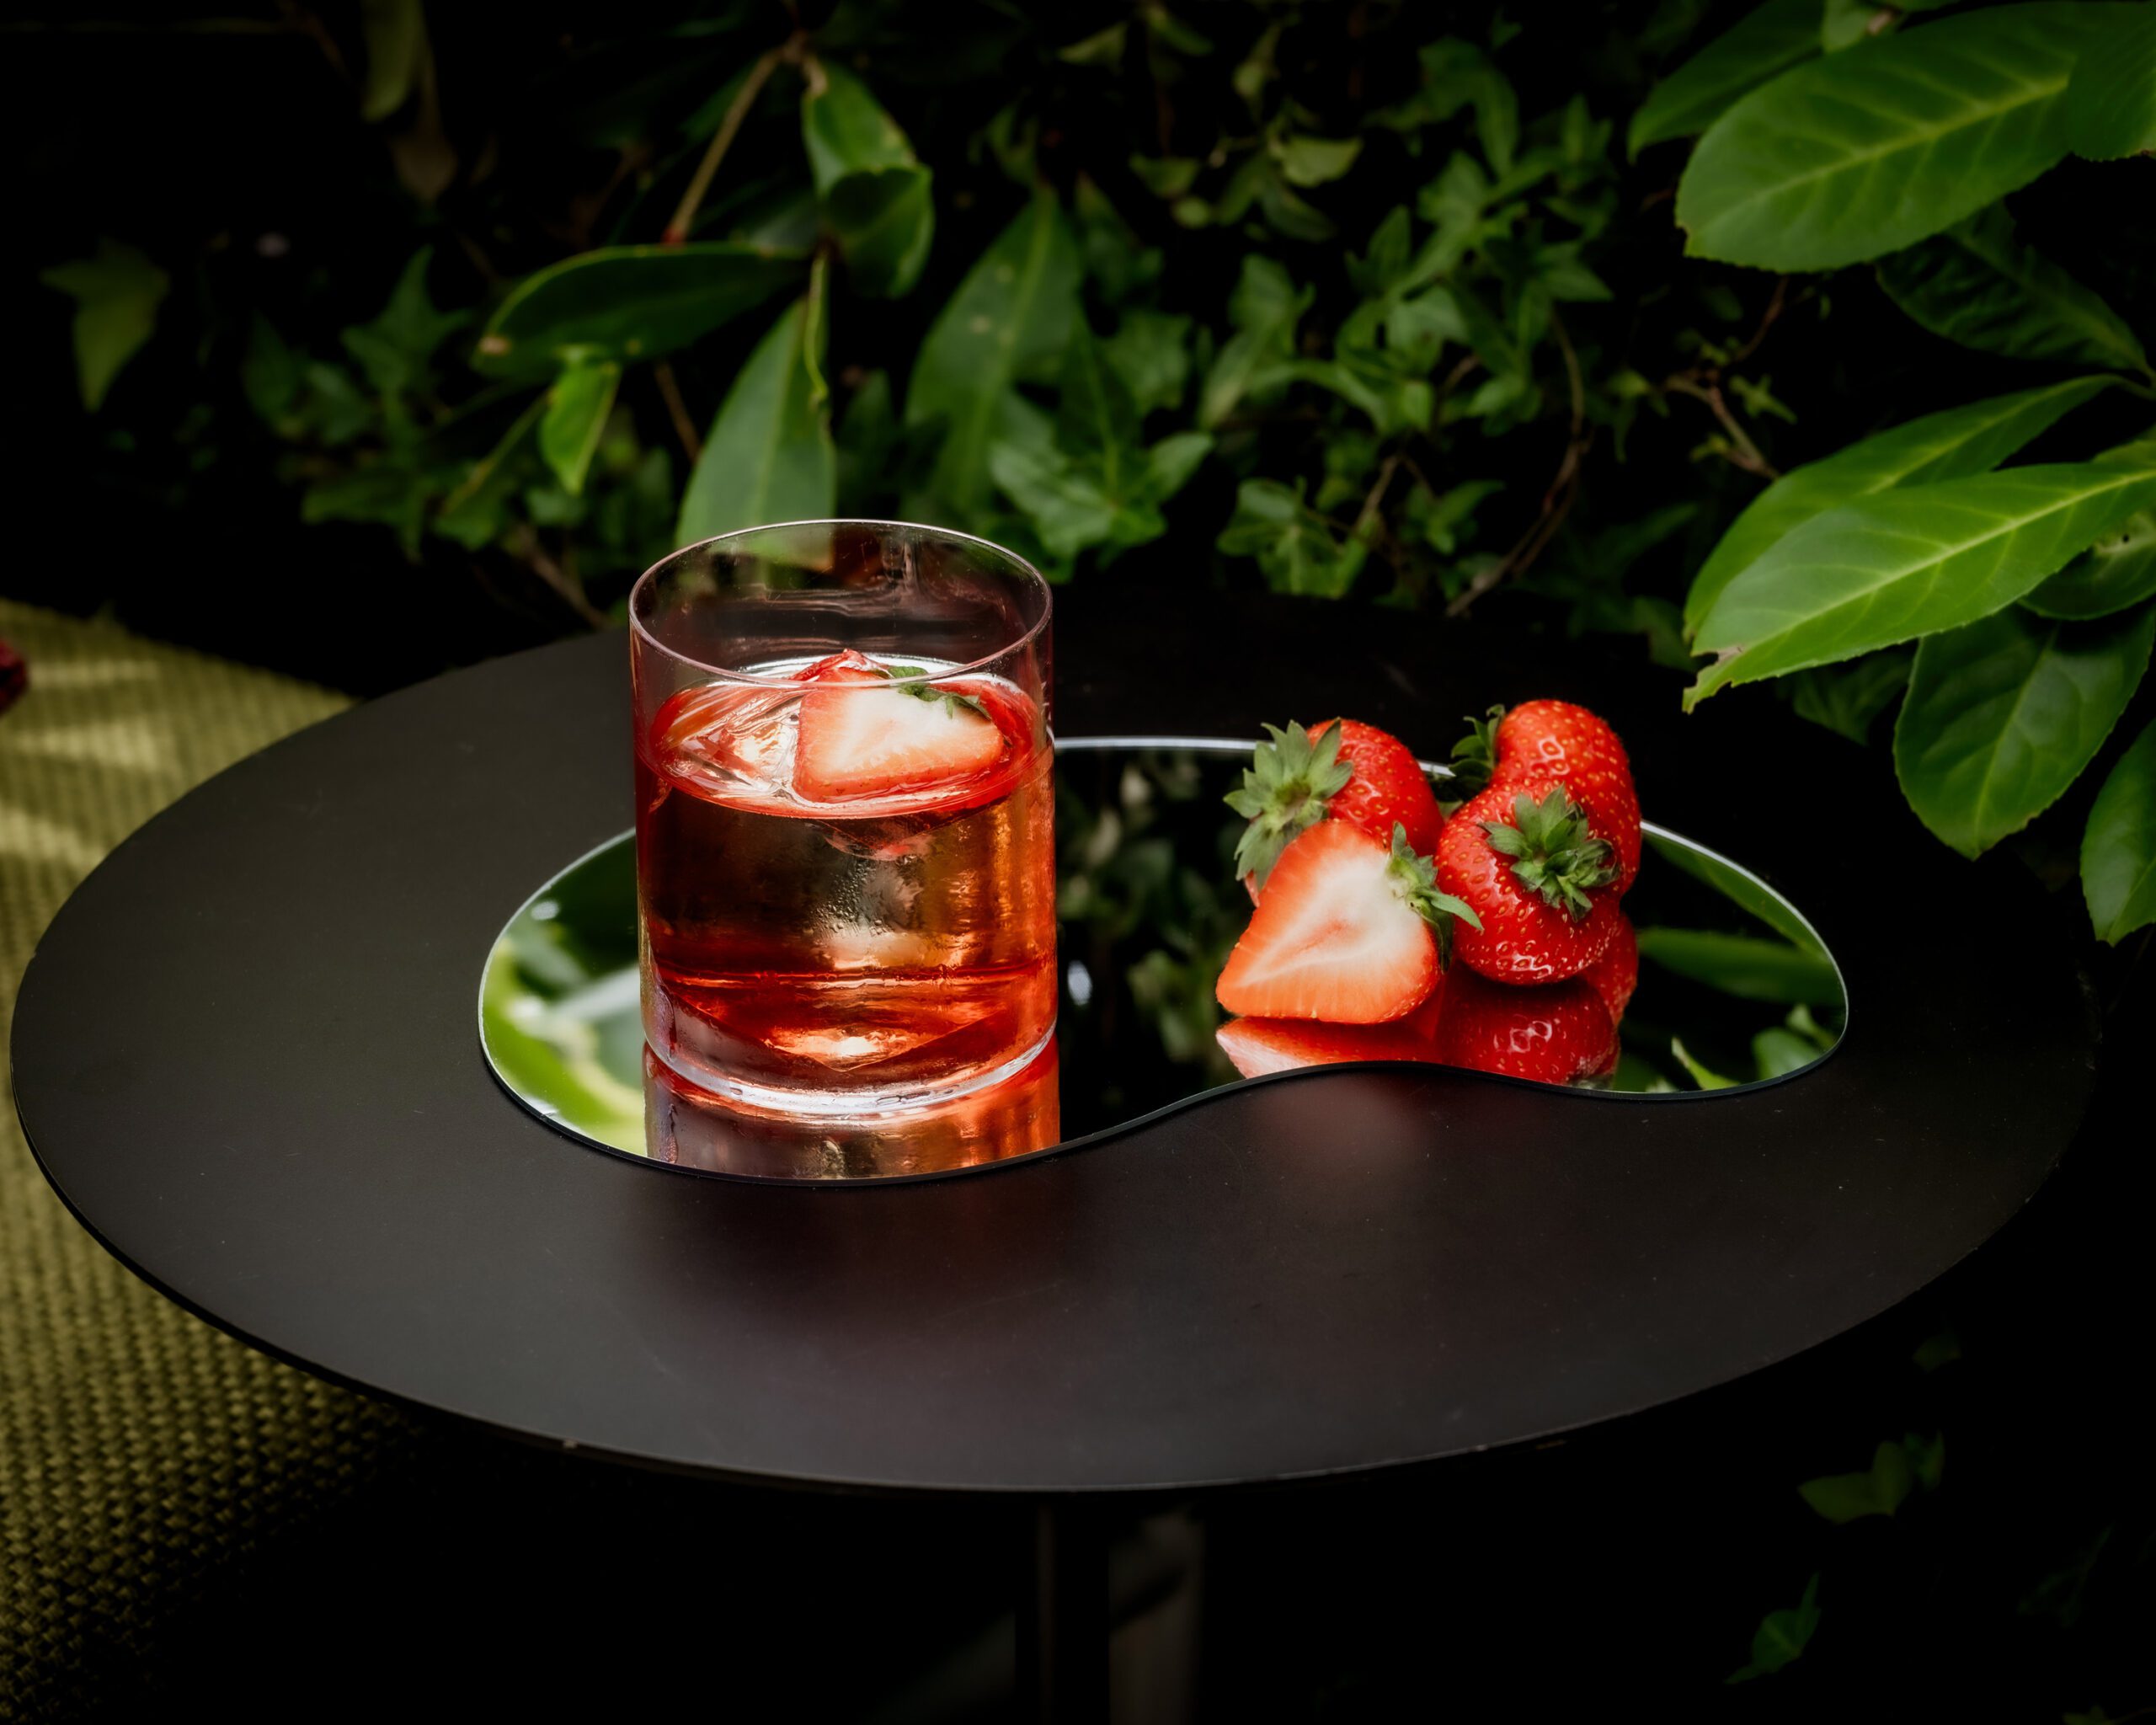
1735 990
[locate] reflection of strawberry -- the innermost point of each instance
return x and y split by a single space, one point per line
1349 931
1616 973
1342 769
1520 853
1261 1045
1556 1034
862 735
1554 740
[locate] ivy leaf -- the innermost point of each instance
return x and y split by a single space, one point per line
393 350
2005 712
2113 96
1885 143
1896 1470
1782 1636
1296 548
1150 352
1010 320
1766 41
1944 446
116 296
1908 562
1976 285
629 302
577 408
875 195
769 456
1264 309
1744 965
2118 571
2118 848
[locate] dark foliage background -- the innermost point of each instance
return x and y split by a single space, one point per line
285 442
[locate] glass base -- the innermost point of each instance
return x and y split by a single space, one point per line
841 1103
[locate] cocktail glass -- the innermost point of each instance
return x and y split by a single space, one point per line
846 874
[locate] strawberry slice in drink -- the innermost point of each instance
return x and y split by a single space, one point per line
864 734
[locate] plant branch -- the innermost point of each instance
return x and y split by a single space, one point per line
1743 452
737 111
552 573
677 410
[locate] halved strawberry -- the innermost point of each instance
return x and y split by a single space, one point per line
863 735
1259 1046
1349 931
1341 770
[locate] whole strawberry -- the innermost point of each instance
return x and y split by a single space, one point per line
1541 885
1555 739
1616 973
1341 770
1558 1034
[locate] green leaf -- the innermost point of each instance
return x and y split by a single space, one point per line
116 296
1875 147
2112 100
1295 549
1305 161
1753 896
1777 1052
1909 563
393 350
2118 849
1944 446
1764 43
1846 701
2118 571
1845 22
1745 966
629 302
1702 1075
876 197
1976 285
1264 308
1150 351
1009 320
1880 1491
1782 1636
2005 712
395 33
577 408
769 456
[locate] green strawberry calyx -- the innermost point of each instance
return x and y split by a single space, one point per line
1554 855
1415 878
1286 789
1475 756
928 692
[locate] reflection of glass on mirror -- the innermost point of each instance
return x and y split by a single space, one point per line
1734 988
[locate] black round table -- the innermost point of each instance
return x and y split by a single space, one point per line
245 1056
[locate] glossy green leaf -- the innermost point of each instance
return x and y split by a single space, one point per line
116 296
1909 563
577 408
1766 41
1745 966
1880 1490
1944 446
1746 891
2118 848
1010 320
2112 100
2003 713
769 456
1846 699
1264 308
2118 571
1977 284
1885 143
875 196
630 303
1782 1636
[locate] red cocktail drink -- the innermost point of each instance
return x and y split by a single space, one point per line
846 858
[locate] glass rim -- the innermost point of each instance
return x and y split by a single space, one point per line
725 673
